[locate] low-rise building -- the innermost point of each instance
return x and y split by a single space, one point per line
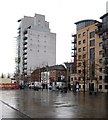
49 74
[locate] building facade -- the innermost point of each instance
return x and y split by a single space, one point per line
36 44
88 56
49 75
103 30
107 7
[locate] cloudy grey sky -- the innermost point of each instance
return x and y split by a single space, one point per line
61 15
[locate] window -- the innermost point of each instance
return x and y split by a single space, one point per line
92 34
84 41
100 44
79 42
100 60
79 56
100 77
100 86
100 36
79 71
106 79
106 86
84 48
100 52
92 55
83 86
79 35
79 49
79 78
38 22
100 69
84 33
84 56
79 64
92 42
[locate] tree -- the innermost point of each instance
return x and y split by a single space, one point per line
2 76
8 75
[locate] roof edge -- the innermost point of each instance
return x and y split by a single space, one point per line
86 20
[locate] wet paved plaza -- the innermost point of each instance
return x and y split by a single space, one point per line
28 103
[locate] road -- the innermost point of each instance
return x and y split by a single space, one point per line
28 103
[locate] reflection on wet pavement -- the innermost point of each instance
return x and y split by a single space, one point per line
51 104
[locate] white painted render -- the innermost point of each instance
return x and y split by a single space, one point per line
107 7
41 43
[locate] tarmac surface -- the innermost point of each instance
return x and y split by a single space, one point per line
29 103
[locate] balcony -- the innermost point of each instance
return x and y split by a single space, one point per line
24 38
73 48
24 62
25 32
99 31
24 72
73 42
73 55
24 48
24 68
25 52
24 57
25 43
106 79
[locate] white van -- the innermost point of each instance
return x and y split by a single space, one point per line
38 84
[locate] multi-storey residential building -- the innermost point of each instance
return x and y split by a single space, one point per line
107 7
103 30
36 44
88 55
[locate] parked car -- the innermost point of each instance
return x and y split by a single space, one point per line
21 86
31 85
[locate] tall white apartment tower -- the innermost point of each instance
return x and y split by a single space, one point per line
107 7
36 44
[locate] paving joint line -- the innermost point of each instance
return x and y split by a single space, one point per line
15 109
